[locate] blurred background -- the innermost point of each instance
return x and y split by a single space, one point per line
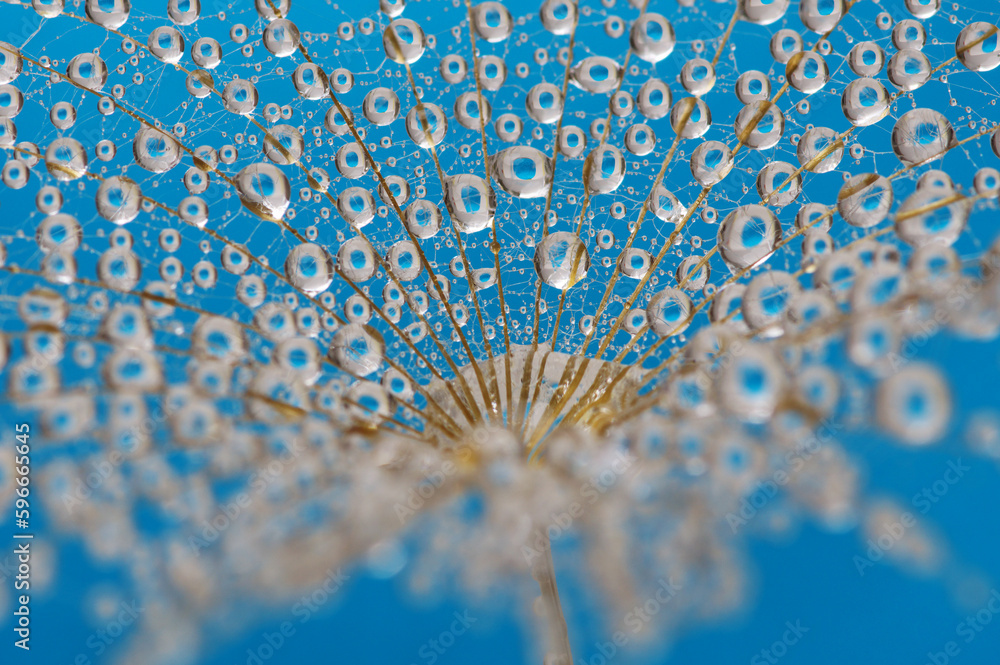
809 603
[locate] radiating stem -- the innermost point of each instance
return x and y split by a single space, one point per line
557 649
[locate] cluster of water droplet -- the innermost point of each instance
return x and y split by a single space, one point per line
692 234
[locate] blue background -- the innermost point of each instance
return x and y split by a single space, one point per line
886 616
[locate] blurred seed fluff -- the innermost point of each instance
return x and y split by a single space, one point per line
439 287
